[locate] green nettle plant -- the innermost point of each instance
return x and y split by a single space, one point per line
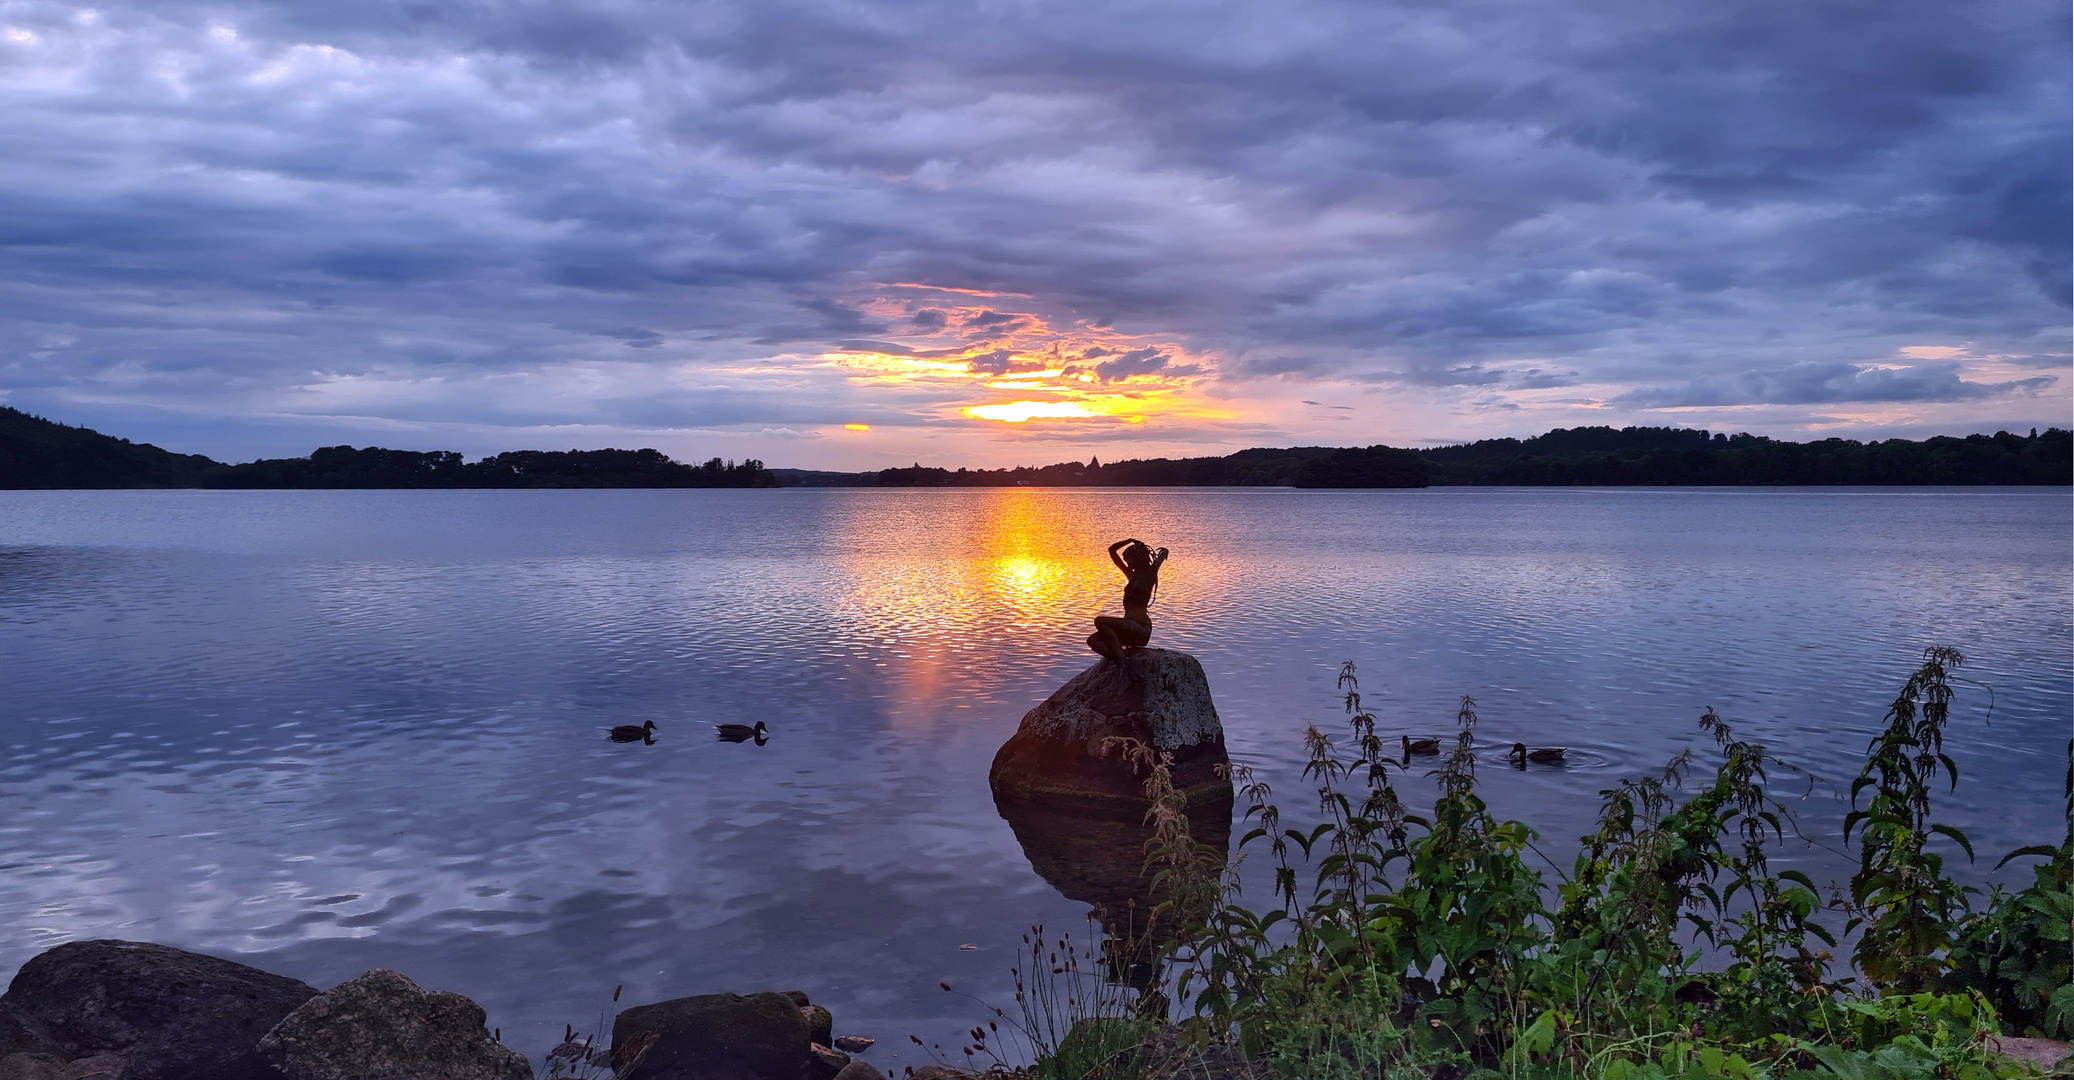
2016 952
1468 908
1907 909
1422 946
1773 960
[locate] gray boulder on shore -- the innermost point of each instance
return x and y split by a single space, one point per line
715 1037
144 1012
383 1026
1061 755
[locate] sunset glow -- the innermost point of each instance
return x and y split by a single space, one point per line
954 352
730 496
1008 254
1016 412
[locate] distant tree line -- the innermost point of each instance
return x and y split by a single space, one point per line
1604 456
1304 466
373 467
37 453
1584 457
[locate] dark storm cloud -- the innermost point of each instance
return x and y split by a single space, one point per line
1817 384
894 348
1135 362
1002 362
634 337
330 210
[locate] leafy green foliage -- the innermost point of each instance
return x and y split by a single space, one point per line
1906 908
2016 952
1910 1037
1411 944
1343 1034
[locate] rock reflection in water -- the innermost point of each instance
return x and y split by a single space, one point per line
1100 860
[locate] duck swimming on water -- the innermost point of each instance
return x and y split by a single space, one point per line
1420 746
742 732
1544 754
640 733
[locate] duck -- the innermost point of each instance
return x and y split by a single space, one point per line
641 733
742 732
1420 746
1543 754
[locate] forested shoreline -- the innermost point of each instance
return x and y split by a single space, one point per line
38 453
1568 457
373 467
1677 456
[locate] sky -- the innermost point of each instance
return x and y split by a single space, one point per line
836 234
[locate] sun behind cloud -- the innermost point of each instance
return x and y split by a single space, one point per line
1016 412
1009 363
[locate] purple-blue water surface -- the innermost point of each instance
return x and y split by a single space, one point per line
327 731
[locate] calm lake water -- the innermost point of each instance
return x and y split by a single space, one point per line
328 731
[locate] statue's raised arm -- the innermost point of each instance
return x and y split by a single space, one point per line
1118 559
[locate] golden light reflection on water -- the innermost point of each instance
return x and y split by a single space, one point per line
951 577
1027 578
1028 562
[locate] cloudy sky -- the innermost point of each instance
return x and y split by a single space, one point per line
828 233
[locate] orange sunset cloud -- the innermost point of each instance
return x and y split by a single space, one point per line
1002 365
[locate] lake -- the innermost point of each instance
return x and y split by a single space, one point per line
327 731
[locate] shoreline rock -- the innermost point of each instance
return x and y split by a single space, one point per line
715 1037
168 1013
382 1026
127 1010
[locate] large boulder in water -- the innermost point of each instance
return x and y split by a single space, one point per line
383 1026
21 1034
164 1013
1062 755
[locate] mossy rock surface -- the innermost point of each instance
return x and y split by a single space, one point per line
170 1014
1063 753
383 1026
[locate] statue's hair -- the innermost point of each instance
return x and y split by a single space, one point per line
1143 551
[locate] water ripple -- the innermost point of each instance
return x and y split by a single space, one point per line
335 730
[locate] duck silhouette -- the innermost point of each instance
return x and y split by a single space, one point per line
736 733
640 733
1420 746
1547 755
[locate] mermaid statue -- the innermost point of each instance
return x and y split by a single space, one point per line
1140 565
